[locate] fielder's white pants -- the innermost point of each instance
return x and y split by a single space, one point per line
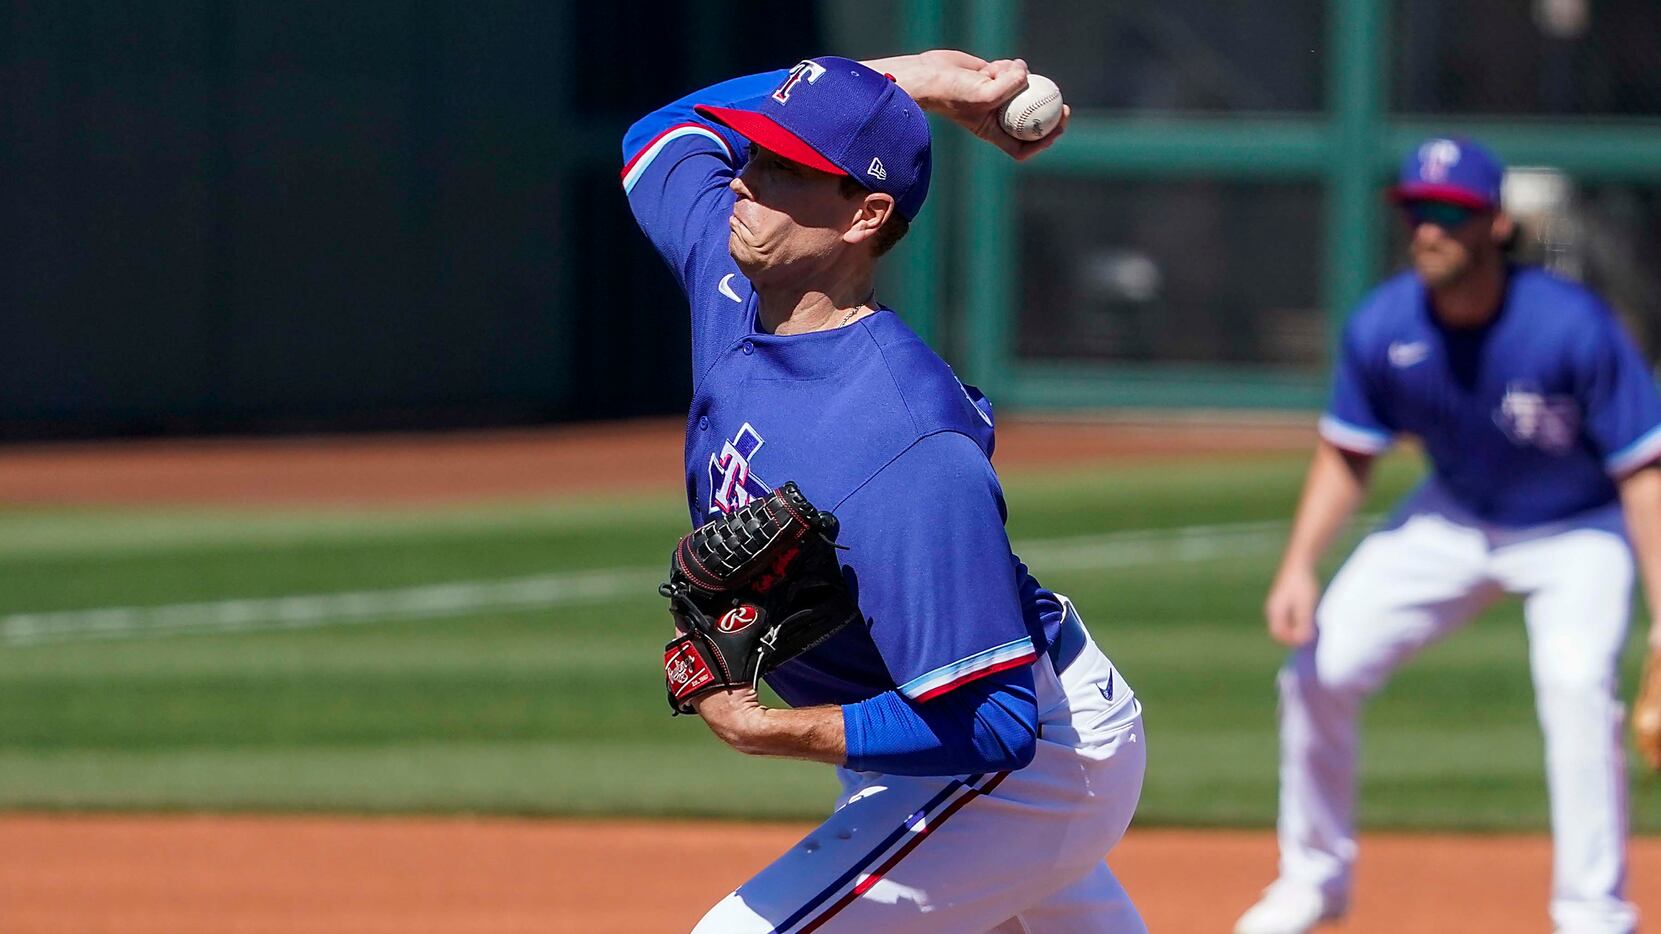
1013 853
1430 571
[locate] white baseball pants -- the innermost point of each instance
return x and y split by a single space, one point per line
1012 853
1429 572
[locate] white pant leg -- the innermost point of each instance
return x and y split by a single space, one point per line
1095 904
907 855
1403 588
1579 587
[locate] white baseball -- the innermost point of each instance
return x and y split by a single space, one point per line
1034 112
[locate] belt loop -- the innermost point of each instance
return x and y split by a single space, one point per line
1070 637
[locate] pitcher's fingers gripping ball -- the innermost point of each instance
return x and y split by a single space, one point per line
750 591
1035 112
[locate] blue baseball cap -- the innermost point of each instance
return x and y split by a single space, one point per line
1458 170
838 116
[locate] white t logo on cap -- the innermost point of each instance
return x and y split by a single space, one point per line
1436 157
808 69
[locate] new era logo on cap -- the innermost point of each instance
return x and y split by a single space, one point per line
840 117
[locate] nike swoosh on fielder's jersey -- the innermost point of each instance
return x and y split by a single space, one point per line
725 288
1403 355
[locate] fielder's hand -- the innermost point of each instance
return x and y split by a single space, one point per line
969 91
1646 712
1290 607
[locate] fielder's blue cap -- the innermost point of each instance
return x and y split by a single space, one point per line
838 116
1457 170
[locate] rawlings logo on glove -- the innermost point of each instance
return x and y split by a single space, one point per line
685 671
738 619
749 591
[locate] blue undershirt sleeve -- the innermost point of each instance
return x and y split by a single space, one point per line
988 725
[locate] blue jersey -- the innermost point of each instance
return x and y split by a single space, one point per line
1528 419
868 421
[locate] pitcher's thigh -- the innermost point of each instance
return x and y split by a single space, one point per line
892 859
1095 904
911 855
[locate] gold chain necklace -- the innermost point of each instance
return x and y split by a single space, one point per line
856 310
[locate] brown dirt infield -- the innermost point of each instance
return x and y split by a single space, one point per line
501 465
310 875
307 875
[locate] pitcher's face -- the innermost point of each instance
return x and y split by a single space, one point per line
788 219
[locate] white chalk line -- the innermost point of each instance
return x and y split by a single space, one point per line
310 610
1077 553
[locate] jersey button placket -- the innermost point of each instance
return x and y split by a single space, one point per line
703 423
749 348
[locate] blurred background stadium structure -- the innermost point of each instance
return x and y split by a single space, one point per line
228 216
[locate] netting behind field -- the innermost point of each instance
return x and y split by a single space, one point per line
1189 271
1182 55
1591 57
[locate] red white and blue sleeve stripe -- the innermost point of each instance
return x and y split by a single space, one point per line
1639 453
946 677
642 160
1354 438
655 132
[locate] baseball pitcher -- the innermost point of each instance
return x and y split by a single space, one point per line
850 544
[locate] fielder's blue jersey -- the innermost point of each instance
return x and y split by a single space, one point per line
1526 420
868 421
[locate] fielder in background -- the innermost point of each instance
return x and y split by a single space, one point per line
1540 423
990 755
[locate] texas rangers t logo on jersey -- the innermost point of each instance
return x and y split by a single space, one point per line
808 70
731 484
1529 417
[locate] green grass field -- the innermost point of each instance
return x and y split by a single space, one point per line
530 682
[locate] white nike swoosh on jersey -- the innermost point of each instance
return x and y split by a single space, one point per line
1403 355
725 288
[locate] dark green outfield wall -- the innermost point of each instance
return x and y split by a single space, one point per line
228 215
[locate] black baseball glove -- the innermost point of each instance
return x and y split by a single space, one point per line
749 591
